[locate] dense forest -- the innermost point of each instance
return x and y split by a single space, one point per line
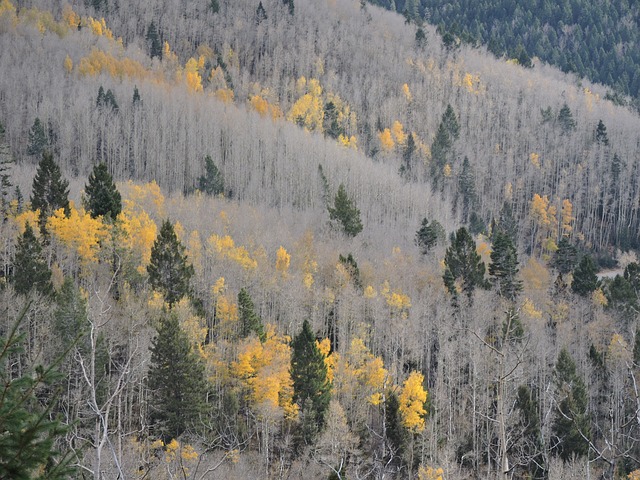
596 40
288 239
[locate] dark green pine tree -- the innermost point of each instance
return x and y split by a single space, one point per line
261 14
585 278
450 122
442 147
330 122
636 348
632 275
421 38
570 427
249 320
601 134
50 191
564 259
153 41
289 3
212 182
565 120
177 382
136 96
103 198
408 157
30 269
311 388
6 162
463 263
428 235
37 139
214 5
29 432
70 317
530 434
622 297
110 101
506 222
169 272
396 434
100 101
346 212
351 266
504 266
467 186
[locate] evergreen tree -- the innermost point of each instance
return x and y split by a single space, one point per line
565 258
153 41
212 182
467 185
29 432
330 122
169 272
103 198
311 388
177 382
50 191
408 155
30 269
249 320
395 432
504 266
214 5
37 139
601 134
352 267
344 210
428 235
585 278
290 5
261 14
571 424
463 263
565 120
100 101
70 316
442 147
421 38
136 96
6 162
506 222
530 433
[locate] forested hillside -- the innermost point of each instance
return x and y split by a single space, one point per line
596 40
287 239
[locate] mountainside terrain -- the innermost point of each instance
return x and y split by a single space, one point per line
318 184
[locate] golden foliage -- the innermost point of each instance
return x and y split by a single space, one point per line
406 92
264 369
79 232
567 217
386 140
99 61
283 260
412 399
397 130
192 75
68 64
225 247
535 275
430 473
534 158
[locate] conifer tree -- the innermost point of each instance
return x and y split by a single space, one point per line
136 96
212 182
6 162
311 388
50 191
30 269
169 272
103 198
571 425
261 14
70 316
530 433
565 119
153 41
408 155
214 5
428 235
249 320
467 185
585 278
37 139
395 432
601 134
177 382
462 262
346 212
565 258
29 433
504 266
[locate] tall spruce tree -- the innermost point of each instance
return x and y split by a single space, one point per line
504 266
463 263
212 182
154 44
169 271
50 191
311 387
6 162
30 433
585 278
30 269
428 235
176 382
37 139
570 427
346 212
103 198
249 320
565 258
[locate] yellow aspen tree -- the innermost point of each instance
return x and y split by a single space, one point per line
567 217
192 76
407 92
68 64
225 95
412 399
283 260
139 233
386 140
397 130
534 158
430 473
80 232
